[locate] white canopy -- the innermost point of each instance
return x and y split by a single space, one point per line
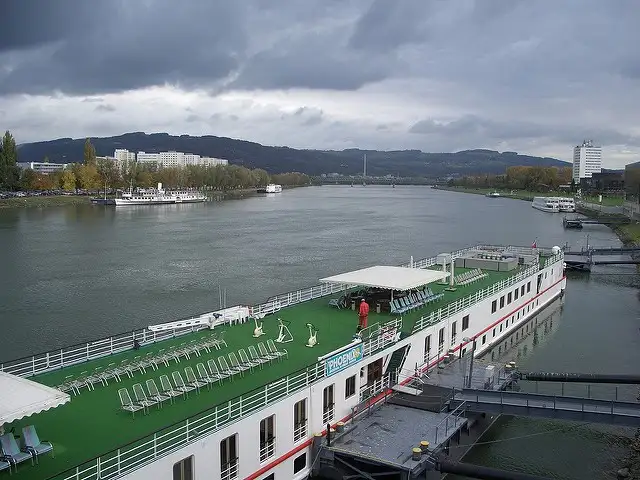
391 278
20 397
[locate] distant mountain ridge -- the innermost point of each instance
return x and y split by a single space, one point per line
405 163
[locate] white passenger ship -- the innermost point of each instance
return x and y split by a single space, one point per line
240 393
159 196
546 204
271 188
566 204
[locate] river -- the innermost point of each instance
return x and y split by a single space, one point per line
70 274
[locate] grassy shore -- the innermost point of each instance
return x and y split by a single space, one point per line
611 201
49 201
62 200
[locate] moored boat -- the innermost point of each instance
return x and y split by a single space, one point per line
271 188
240 392
546 204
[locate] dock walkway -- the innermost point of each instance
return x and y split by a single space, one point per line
552 406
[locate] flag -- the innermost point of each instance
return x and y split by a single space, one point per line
534 244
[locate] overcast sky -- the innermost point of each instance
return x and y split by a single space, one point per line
534 77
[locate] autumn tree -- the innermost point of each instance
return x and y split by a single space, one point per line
9 171
68 181
89 153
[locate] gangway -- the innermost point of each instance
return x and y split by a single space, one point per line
551 406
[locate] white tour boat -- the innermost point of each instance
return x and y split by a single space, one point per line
546 204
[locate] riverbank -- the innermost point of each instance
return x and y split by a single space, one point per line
41 202
64 200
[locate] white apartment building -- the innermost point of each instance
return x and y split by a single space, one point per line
587 160
175 159
124 157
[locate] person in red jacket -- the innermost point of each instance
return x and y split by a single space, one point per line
363 314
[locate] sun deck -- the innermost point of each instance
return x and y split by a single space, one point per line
93 423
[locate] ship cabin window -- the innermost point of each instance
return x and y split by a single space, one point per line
427 348
465 322
299 463
502 302
494 306
183 470
328 406
267 438
229 458
484 339
528 287
300 420
271 476
441 338
453 332
522 291
515 294
509 298
494 332
350 387
500 327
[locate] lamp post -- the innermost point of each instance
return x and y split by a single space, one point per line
473 351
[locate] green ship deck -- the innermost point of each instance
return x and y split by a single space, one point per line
93 424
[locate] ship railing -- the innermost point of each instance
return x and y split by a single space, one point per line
85 352
438 315
450 424
147 449
274 304
382 336
553 259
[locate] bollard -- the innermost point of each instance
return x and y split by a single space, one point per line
340 427
424 446
416 453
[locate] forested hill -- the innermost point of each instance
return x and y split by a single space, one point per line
406 163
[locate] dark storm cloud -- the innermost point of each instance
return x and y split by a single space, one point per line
483 128
31 23
121 45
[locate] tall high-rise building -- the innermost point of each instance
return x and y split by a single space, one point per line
587 160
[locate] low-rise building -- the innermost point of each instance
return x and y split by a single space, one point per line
43 167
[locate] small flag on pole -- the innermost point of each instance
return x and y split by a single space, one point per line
534 244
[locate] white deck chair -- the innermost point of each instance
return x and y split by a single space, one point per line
126 403
154 393
225 368
255 357
141 397
167 388
245 360
236 365
204 376
214 371
264 353
274 350
180 385
192 380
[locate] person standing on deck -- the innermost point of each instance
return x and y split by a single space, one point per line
363 314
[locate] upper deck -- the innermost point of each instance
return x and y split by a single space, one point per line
87 430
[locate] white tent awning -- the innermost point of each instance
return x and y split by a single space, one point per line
21 397
390 278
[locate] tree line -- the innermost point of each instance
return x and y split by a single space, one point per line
102 174
520 178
